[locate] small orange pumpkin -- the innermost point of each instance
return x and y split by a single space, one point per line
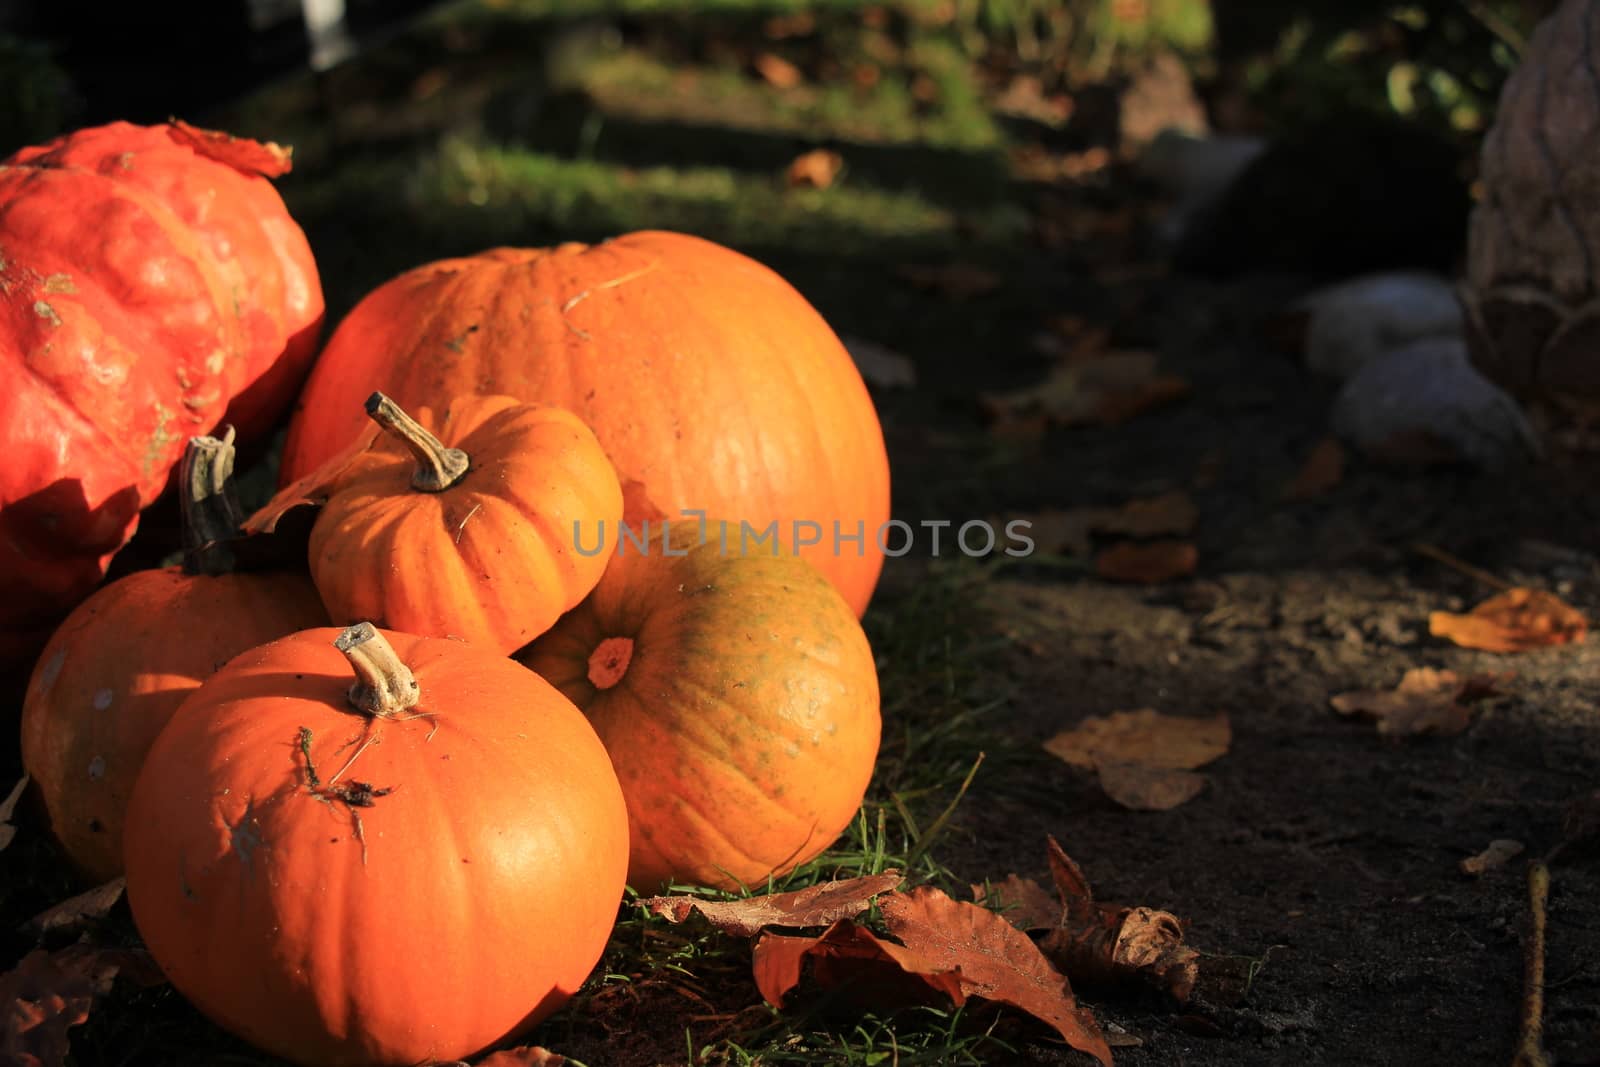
737 695
400 872
118 667
477 536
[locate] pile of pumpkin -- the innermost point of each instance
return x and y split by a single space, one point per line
379 759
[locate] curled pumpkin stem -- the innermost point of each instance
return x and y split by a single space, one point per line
438 467
385 686
209 509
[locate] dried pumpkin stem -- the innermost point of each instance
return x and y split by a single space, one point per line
385 686
209 510
438 467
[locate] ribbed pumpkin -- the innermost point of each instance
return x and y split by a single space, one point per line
475 536
400 872
711 383
150 280
118 667
737 695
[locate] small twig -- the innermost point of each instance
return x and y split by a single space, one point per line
313 783
371 740
612 284
1530 1049
1455 563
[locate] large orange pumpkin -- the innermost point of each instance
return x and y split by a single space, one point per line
150 281
710 382
114 672
402 871
737 695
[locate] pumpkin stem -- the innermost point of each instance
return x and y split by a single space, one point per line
438 467
384 685
609 661
208 509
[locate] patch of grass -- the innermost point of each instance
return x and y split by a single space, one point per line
633 83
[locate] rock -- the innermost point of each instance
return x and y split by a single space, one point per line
1193 171
1351 323
1425 403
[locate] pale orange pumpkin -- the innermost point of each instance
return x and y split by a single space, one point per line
711 383
737 695
476 536
398 872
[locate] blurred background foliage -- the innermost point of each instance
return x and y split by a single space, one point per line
1260 63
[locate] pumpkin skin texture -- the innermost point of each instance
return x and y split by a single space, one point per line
493 558
151 281
711 383
303 908
114 672
738 697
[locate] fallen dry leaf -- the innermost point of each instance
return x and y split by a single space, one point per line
522 1056
1426 701
1106 945
251 157
815 169
993 960
48 993
1022 902
1141 788
79 911
312 490
957 281
846 954
880 366
777 71
1496 855
1143 759
817 905
1322 471
1144 737
1171 513
1516 620
8 808
1147 563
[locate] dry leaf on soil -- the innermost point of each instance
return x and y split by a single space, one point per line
1322 471
1147 563
777 71
957 949
1144 759
955 281
1071 532
815 169
1172 513
1108 390
522 1056
880 366
1513 621
8 808
817 905
994 960
1498 854
1105 945
1427 700
50 992
1140 788
77 912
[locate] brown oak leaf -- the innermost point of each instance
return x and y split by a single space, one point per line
77 912
817 905
1513 621
1321 472
48 993
815 169
522 1056
1427 700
